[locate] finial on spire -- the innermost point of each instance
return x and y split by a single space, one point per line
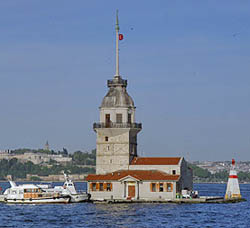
117 22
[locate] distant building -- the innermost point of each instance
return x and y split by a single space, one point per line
37 158
120 173
4 151
46 147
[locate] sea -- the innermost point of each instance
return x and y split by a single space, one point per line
131 215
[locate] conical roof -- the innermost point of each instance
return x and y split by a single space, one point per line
117 95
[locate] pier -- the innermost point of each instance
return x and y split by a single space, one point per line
204 199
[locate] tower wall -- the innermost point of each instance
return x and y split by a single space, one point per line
115 149
114 111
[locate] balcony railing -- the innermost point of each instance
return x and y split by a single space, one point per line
117 82
117 125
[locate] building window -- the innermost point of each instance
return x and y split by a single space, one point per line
129 118
110 161
169 187
93 186
118 118
109 187
101 187
153 187
106 138
173 172
161 187
107 120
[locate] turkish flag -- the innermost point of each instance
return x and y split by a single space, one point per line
120 37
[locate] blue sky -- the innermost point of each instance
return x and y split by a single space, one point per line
187 65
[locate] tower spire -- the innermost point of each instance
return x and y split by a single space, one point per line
117 45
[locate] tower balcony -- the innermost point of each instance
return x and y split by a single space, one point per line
118 125
117 82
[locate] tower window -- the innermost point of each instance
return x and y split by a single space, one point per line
106 138
107 119
119 118
129 118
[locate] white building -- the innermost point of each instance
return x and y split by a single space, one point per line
36 158
120 173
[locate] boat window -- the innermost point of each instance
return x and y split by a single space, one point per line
25 190
13 192
70 184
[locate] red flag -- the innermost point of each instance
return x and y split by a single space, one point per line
120 37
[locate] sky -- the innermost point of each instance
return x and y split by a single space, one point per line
187 65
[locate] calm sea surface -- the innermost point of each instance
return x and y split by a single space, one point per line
132 215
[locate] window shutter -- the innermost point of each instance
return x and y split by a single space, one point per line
111 186
105 186
97 186
91 186
151 187
157 186
171 187
165 187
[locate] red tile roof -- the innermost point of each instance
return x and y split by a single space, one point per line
138 174
156 161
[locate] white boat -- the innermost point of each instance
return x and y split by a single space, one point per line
68 189
31 194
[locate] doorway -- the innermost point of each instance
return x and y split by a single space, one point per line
131 191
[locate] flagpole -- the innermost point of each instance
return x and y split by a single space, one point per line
117 45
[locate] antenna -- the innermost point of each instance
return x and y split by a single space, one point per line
117 28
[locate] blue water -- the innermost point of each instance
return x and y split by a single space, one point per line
132 215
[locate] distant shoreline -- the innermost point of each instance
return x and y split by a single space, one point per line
53 181
26 180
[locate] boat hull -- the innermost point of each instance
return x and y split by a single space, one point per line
38 201
77 198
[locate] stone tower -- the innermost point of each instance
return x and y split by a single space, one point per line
116 143
46 147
